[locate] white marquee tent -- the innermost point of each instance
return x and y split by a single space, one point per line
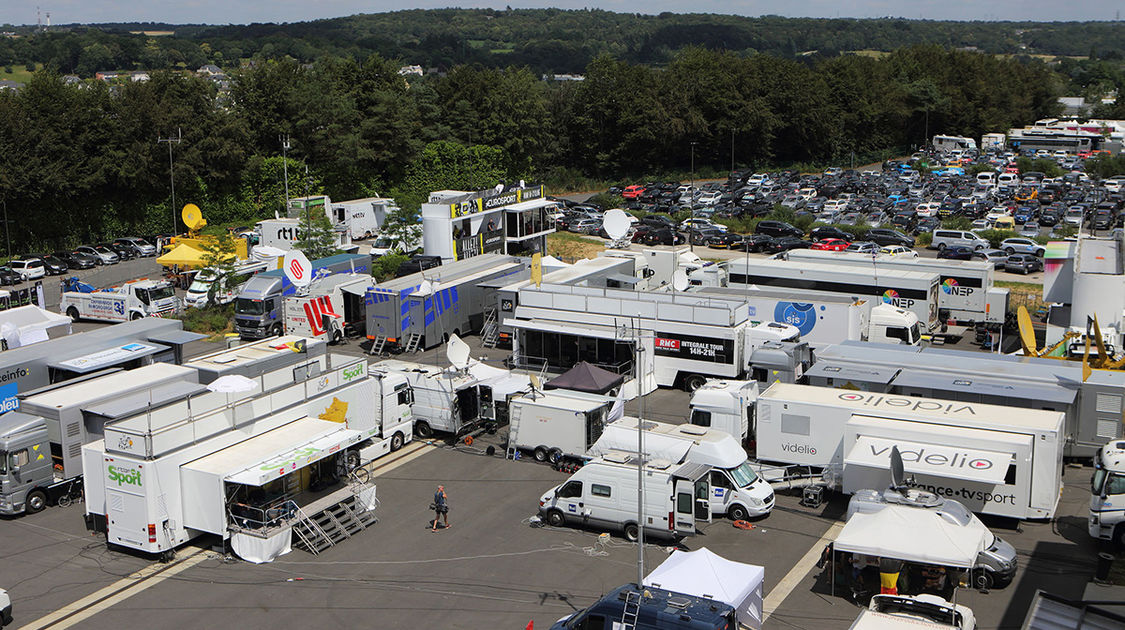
705 574
914 535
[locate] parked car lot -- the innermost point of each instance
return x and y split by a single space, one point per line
1023 263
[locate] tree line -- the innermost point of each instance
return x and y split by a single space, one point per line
83 162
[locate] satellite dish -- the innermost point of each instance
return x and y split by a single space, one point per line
898 473
424 288
297 268
457 352
534 382
616 224
679 280
193 217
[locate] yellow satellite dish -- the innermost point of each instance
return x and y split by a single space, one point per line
1027 332
193 217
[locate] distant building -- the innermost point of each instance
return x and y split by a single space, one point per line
209 70
71 79
410 70
564 77
122 75
1074 106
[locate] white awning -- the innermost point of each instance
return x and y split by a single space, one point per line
273 454
966 464
913 535
584 330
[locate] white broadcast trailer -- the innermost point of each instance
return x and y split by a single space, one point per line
968 293
332 309
996 460
910 290
163 476
553 426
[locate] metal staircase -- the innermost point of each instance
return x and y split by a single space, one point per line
490 332
511 452
378 345
631 611
413 343
332 525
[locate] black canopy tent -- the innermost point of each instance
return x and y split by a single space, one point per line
585 377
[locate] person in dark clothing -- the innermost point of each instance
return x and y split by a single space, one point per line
441 507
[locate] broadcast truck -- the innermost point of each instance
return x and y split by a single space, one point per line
131 300
258 309
968 293
551 426
996 460
333 308
915 291
1106 520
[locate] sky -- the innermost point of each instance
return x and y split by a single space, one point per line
246 11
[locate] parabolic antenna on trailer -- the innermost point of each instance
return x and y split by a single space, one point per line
679 280
193 217
297 268
616 224
457 352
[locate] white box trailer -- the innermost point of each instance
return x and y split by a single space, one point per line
332 309
166 476
995 460
553 426
968 292
911 290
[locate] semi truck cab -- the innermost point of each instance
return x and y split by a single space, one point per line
1106 520
26 467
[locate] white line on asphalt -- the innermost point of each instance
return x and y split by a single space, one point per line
798 572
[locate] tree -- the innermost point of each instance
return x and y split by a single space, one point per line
317 237
219 256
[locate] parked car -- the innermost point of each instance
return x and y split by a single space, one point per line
663 236
701 236
1030 230
830 245
659 221
884 237
958 238
633 192
786 243
139 246
755 243
1022 245
724 240
7 276
586 226
102 255
1023 263
827 231
898 251
863 247
53 266
124 252
778 229
699 223
956 253
76 259
995 256
29 268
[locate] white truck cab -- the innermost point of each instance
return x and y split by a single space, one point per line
1107 494
131 300
891 324
725 405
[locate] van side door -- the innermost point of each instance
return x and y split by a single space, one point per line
683 506
569 500
722 491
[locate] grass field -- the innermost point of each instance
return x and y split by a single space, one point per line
569 247
1028 294
19 73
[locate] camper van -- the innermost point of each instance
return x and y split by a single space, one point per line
603 495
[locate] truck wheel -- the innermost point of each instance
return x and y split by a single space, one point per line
276 330
738 513
540 453
396 442
135 316
36 501
555 518
423 430
632 532
337 337
554 456
693 382
351 460
983 580
72 313
941 247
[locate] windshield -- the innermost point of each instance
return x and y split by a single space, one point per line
383 243
244 306
200 286
103 250
915 333
1097 481
158 293
3 463
743 475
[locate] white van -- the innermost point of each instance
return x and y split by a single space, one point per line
987 178
603 495
958 238
1008 179
928 209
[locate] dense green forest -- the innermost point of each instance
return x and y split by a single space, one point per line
545 40
83 161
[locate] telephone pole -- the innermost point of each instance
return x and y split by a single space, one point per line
178 138
285 167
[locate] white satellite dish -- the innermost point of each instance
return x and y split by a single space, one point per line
616 224
297 268
679 280
457 352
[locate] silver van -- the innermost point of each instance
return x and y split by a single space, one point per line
958 238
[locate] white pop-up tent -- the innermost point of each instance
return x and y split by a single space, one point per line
705 574
914 534
25 325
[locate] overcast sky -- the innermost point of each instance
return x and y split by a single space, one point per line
246 11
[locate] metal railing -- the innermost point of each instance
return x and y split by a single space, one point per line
262 520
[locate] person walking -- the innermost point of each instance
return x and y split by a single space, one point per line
441 508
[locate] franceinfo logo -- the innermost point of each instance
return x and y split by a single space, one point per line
913 404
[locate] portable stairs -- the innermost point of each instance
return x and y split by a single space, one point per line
332 520
490 332
379 345
413 343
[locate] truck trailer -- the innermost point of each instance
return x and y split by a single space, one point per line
968 293
258 309
995 460
332 309
552 426
915 291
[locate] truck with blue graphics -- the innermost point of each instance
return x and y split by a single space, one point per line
131 300
439 302
825 318
258 309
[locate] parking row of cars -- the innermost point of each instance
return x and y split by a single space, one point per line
38 265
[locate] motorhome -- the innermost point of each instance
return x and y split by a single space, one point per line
603 495
240 464
915 291
968 293
332 309
551 426
131 300
735 489
946 144
259 308
996 460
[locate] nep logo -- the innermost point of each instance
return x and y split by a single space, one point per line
949 286
889 296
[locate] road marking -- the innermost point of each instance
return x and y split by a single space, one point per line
798 572
154 574
119 591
